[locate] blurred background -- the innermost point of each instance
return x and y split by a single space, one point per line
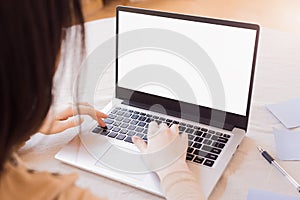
282 15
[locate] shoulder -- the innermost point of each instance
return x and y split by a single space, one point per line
19 182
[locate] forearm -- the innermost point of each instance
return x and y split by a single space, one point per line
180 185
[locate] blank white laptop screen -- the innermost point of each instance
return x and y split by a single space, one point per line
230 48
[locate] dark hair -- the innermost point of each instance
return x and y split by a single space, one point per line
31 34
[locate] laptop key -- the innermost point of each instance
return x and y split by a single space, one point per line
119 118
117 123
124 125
142 118
182 124
131 127
211 149
124 109
208 163
204 129
123 131
223 140
108 127
116 129
97 130
181 128
211 156
197 145
140 135
207 141
198 133
189 126
126 120
198 139
112 116
221 145
198 159
211 131
145 138
219 134
226 136
131 133
134 116
218 145
128 139
190 150
127 114
105 132
216 151
120 113
108 121
189 156
142 124
169 120
143 114
162 118
214 137
112 134
200 153
189 130
134 122
139 129
148 120
114 111
191 137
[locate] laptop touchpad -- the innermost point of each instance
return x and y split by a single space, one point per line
123 160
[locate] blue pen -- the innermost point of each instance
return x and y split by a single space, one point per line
273 162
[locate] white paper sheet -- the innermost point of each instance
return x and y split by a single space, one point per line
255 194
287 144
288 112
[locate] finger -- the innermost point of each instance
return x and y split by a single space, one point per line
67 124
83 109
163 127
174 129
139 143
101 114
185 139
152 128
66 113
96 115
85 105
101 122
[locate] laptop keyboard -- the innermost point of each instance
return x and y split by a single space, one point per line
204 147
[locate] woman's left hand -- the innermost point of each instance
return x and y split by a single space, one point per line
56 122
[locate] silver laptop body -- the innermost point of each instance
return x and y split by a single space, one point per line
178 69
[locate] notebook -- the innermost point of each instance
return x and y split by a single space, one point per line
190 71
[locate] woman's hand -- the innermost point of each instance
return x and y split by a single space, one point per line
56 122
166 149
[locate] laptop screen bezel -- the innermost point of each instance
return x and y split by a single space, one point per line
171 106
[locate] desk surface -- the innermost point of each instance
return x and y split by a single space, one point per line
277 79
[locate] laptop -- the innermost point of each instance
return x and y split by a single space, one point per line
192 71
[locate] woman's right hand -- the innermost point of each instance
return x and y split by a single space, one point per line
165 151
